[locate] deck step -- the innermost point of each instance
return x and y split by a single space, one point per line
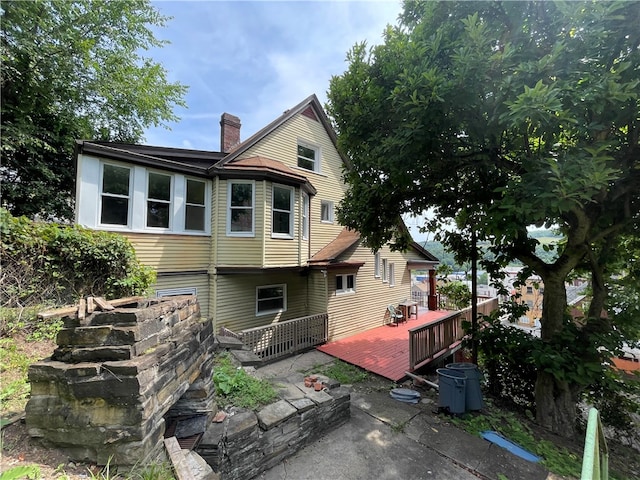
246 358
229 343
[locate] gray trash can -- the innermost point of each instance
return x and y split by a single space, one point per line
473 395
451 390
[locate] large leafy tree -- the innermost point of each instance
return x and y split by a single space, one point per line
499 116
73 69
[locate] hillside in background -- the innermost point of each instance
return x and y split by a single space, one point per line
544 237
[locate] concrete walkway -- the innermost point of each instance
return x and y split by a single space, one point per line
386 439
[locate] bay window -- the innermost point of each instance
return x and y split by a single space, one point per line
282 212
241 209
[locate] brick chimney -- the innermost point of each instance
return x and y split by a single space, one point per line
229 132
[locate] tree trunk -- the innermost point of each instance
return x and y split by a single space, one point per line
555 404
555 399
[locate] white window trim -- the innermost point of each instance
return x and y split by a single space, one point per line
291 190
170 202
376 265
129 197
89 198
187 204
315 148
385 270
346 290
305 216
284 299
331 213
392 274
251 233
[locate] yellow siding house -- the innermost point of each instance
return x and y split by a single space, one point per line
250 230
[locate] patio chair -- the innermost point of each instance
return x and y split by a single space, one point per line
395 315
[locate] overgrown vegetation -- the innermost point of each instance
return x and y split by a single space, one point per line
156 471
558 460
50 263
510 358
236 387
21 333
563 461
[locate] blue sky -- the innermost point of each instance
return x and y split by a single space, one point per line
256 59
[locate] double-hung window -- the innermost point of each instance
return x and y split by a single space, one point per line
195 206
392 274
241 212
115 195
345 283
119 196
376 265
385 270
282 212
158 200
326 211
271 299
308 157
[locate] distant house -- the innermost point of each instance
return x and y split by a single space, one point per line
251 230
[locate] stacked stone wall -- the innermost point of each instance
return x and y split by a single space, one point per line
248 443
115 375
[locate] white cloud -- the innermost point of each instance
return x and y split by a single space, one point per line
257 59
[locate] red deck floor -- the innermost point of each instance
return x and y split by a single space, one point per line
381 350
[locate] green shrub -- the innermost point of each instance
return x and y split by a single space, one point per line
236 387
505 355
57 264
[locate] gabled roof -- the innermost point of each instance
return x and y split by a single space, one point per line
331 252
423 251
312 101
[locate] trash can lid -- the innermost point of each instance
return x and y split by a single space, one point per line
445 372
463 366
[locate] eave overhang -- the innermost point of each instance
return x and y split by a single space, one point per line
254 270
261 168
328 265
196 167
421 264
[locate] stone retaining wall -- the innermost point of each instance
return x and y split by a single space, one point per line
246 444
116 374
115 377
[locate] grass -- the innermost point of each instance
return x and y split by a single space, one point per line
344 373
156 471
22 334
236 387
556 458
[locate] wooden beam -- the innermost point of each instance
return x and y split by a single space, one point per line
91 304
59 312
103 304
82 309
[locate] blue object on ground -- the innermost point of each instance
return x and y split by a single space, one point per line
495 437
405 395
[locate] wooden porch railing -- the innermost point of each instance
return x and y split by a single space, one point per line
282 339
428 341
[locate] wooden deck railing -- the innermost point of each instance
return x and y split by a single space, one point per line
277 340
428 341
